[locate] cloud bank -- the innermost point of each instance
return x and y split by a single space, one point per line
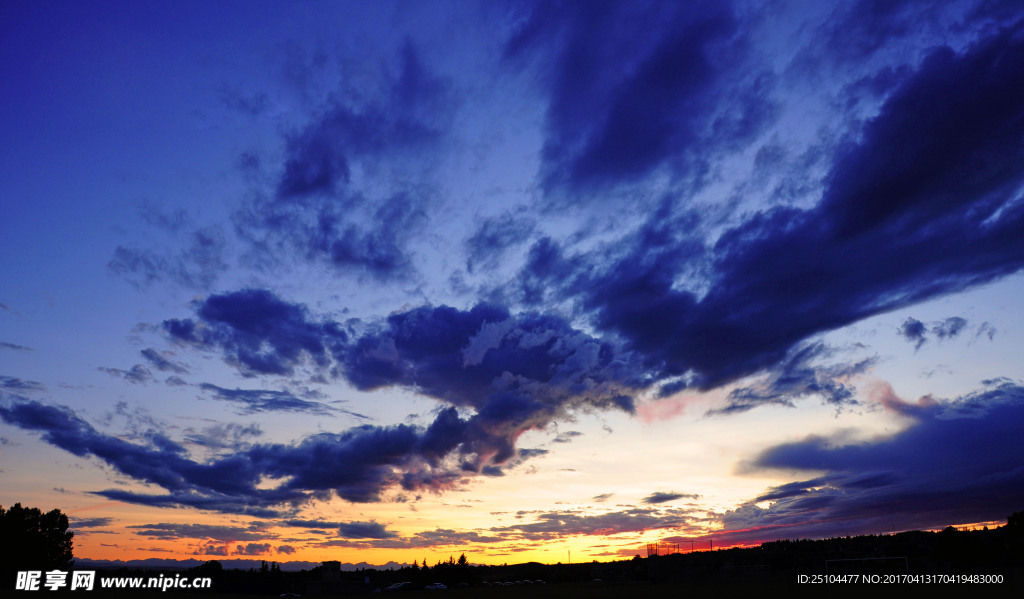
957 459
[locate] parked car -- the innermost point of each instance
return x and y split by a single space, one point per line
437 586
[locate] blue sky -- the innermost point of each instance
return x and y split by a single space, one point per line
364 281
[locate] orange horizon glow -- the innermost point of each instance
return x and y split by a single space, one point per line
576 549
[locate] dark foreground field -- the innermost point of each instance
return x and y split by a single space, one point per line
640 590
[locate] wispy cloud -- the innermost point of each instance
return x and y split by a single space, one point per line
558 524
667 496
161 363
10 383
210 532
137 375
916 332
252 401
91 522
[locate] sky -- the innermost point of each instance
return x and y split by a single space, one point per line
397 281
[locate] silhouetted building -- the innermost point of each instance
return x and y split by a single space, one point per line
331 572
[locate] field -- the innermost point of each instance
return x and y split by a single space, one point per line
1011 588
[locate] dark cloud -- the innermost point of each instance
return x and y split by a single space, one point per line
254 104
137 375
285 549
225 485
602 497
428 538
223 436
139 266
640 86
998 13
515 372
14 346
552 525
364 530
253 401
210 549
252 549
201 500
862 28
546 269
986 329
532 453
319 213
349 530
357 465
307 206
256 331
10 383
797 376
567 436
794 489
916 332
949 328
957 462
405 117
447 536
196 265
510 374
210 532
665 497
891 181
871 88
174 220
312 524
161 363
362 237
90 522
486 246
903 218
379 248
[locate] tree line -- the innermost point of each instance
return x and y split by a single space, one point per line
31 539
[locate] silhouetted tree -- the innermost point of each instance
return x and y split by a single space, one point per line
209 569
33 540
